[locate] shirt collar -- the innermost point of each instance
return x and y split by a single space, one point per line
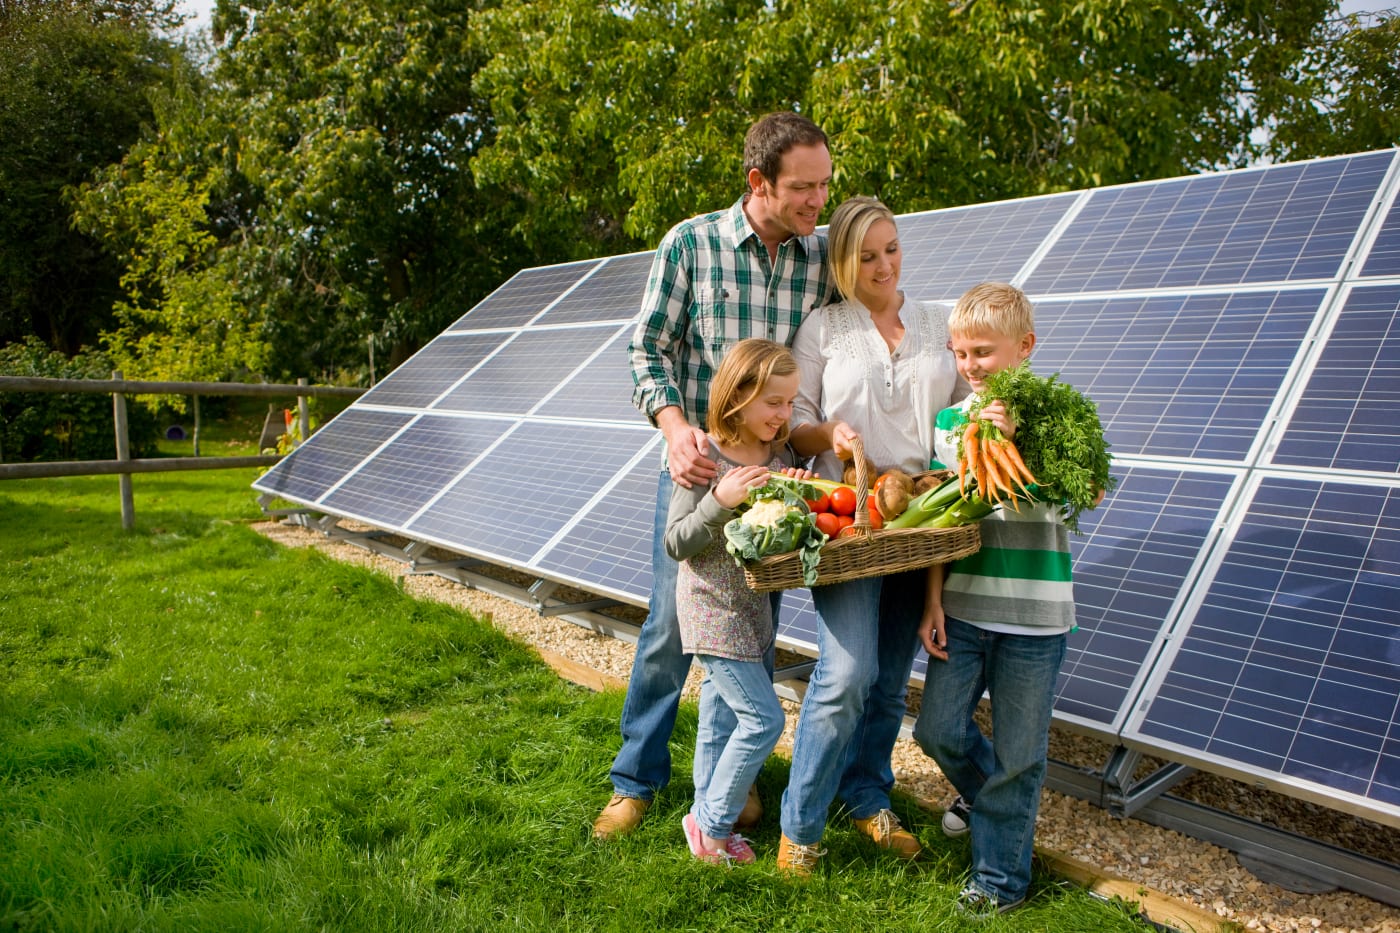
741 230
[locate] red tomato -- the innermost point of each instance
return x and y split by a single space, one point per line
843 500
827 523
822 504
848 532
844 521
877 521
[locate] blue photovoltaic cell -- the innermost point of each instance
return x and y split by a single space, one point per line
797 622
1291 666
1286 223
396 482
1177 376
1136 550
523 492
306 473
522 373
612 293
610 546
601 391
525 295
1347 415
948 251
432 370
1384 257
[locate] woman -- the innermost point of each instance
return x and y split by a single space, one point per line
875 366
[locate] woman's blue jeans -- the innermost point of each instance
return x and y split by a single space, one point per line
1001 778
723 775
867 636
643 764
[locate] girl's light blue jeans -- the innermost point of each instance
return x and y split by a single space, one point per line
1001 778
867 636
746 689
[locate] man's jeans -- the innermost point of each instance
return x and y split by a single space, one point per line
867 636
746 689
643 764
1001 779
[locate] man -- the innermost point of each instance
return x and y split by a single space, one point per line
754 270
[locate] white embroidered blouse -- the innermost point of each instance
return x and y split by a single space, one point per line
848 373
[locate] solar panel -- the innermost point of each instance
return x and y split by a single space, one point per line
1245 368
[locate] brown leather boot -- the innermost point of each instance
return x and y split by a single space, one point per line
620 816
797 860
884 828
752 812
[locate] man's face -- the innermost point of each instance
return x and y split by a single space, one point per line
793 203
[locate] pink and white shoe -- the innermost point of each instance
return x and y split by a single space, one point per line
697 843
739 850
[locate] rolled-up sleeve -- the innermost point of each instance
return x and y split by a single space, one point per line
811 369
661 327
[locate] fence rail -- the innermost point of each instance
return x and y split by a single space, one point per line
124 466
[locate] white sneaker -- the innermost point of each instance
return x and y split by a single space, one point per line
956 817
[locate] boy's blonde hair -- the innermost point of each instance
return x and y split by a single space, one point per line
849 224
741 378
994 306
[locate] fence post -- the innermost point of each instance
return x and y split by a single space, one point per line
303 412
196 424
123 453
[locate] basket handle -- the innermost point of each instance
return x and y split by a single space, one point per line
862 516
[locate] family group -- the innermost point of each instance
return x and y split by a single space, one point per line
764 346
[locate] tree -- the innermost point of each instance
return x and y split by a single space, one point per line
1345 97
76 76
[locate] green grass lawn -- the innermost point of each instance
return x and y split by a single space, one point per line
202 730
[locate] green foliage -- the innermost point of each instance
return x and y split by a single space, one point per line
61 426
75 75
201 730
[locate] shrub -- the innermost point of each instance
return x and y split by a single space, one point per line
65 426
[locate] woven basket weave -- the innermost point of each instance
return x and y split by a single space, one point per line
867 553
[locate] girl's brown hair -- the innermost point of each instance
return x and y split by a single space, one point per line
742 376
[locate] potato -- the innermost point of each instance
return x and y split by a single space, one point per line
892 500
849 476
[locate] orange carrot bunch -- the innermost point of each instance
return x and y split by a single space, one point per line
993 463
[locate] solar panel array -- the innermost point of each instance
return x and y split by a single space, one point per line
1240 332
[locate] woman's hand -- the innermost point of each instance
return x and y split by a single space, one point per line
734 487
842 438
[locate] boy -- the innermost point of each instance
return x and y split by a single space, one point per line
997 621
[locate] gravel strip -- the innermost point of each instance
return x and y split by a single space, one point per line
1200 875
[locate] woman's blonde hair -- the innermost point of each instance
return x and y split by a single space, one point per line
850 222
742 376
993 306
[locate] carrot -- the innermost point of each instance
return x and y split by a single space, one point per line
971 451
995 482
1000 451
969 441
1020 465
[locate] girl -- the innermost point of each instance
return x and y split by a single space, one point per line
724 624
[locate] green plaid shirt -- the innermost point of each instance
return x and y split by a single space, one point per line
712 285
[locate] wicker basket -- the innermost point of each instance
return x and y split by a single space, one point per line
867 553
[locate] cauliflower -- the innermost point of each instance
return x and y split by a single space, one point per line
770 512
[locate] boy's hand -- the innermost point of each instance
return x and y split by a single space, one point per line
734 486
933 633
995 412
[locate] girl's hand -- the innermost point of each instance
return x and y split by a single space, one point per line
933 634
842 437
734 487
798 473
995 412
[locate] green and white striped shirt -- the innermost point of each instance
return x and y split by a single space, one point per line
712 285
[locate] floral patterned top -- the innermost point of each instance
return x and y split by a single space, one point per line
719 614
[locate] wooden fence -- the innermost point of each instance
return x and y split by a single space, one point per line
124 466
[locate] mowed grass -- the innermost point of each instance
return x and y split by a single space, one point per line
202 730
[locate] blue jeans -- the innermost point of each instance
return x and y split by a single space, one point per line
867 636
1000 778
722 785
643 764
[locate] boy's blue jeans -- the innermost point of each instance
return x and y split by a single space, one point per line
727 765
867 636
1000 778
643 764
